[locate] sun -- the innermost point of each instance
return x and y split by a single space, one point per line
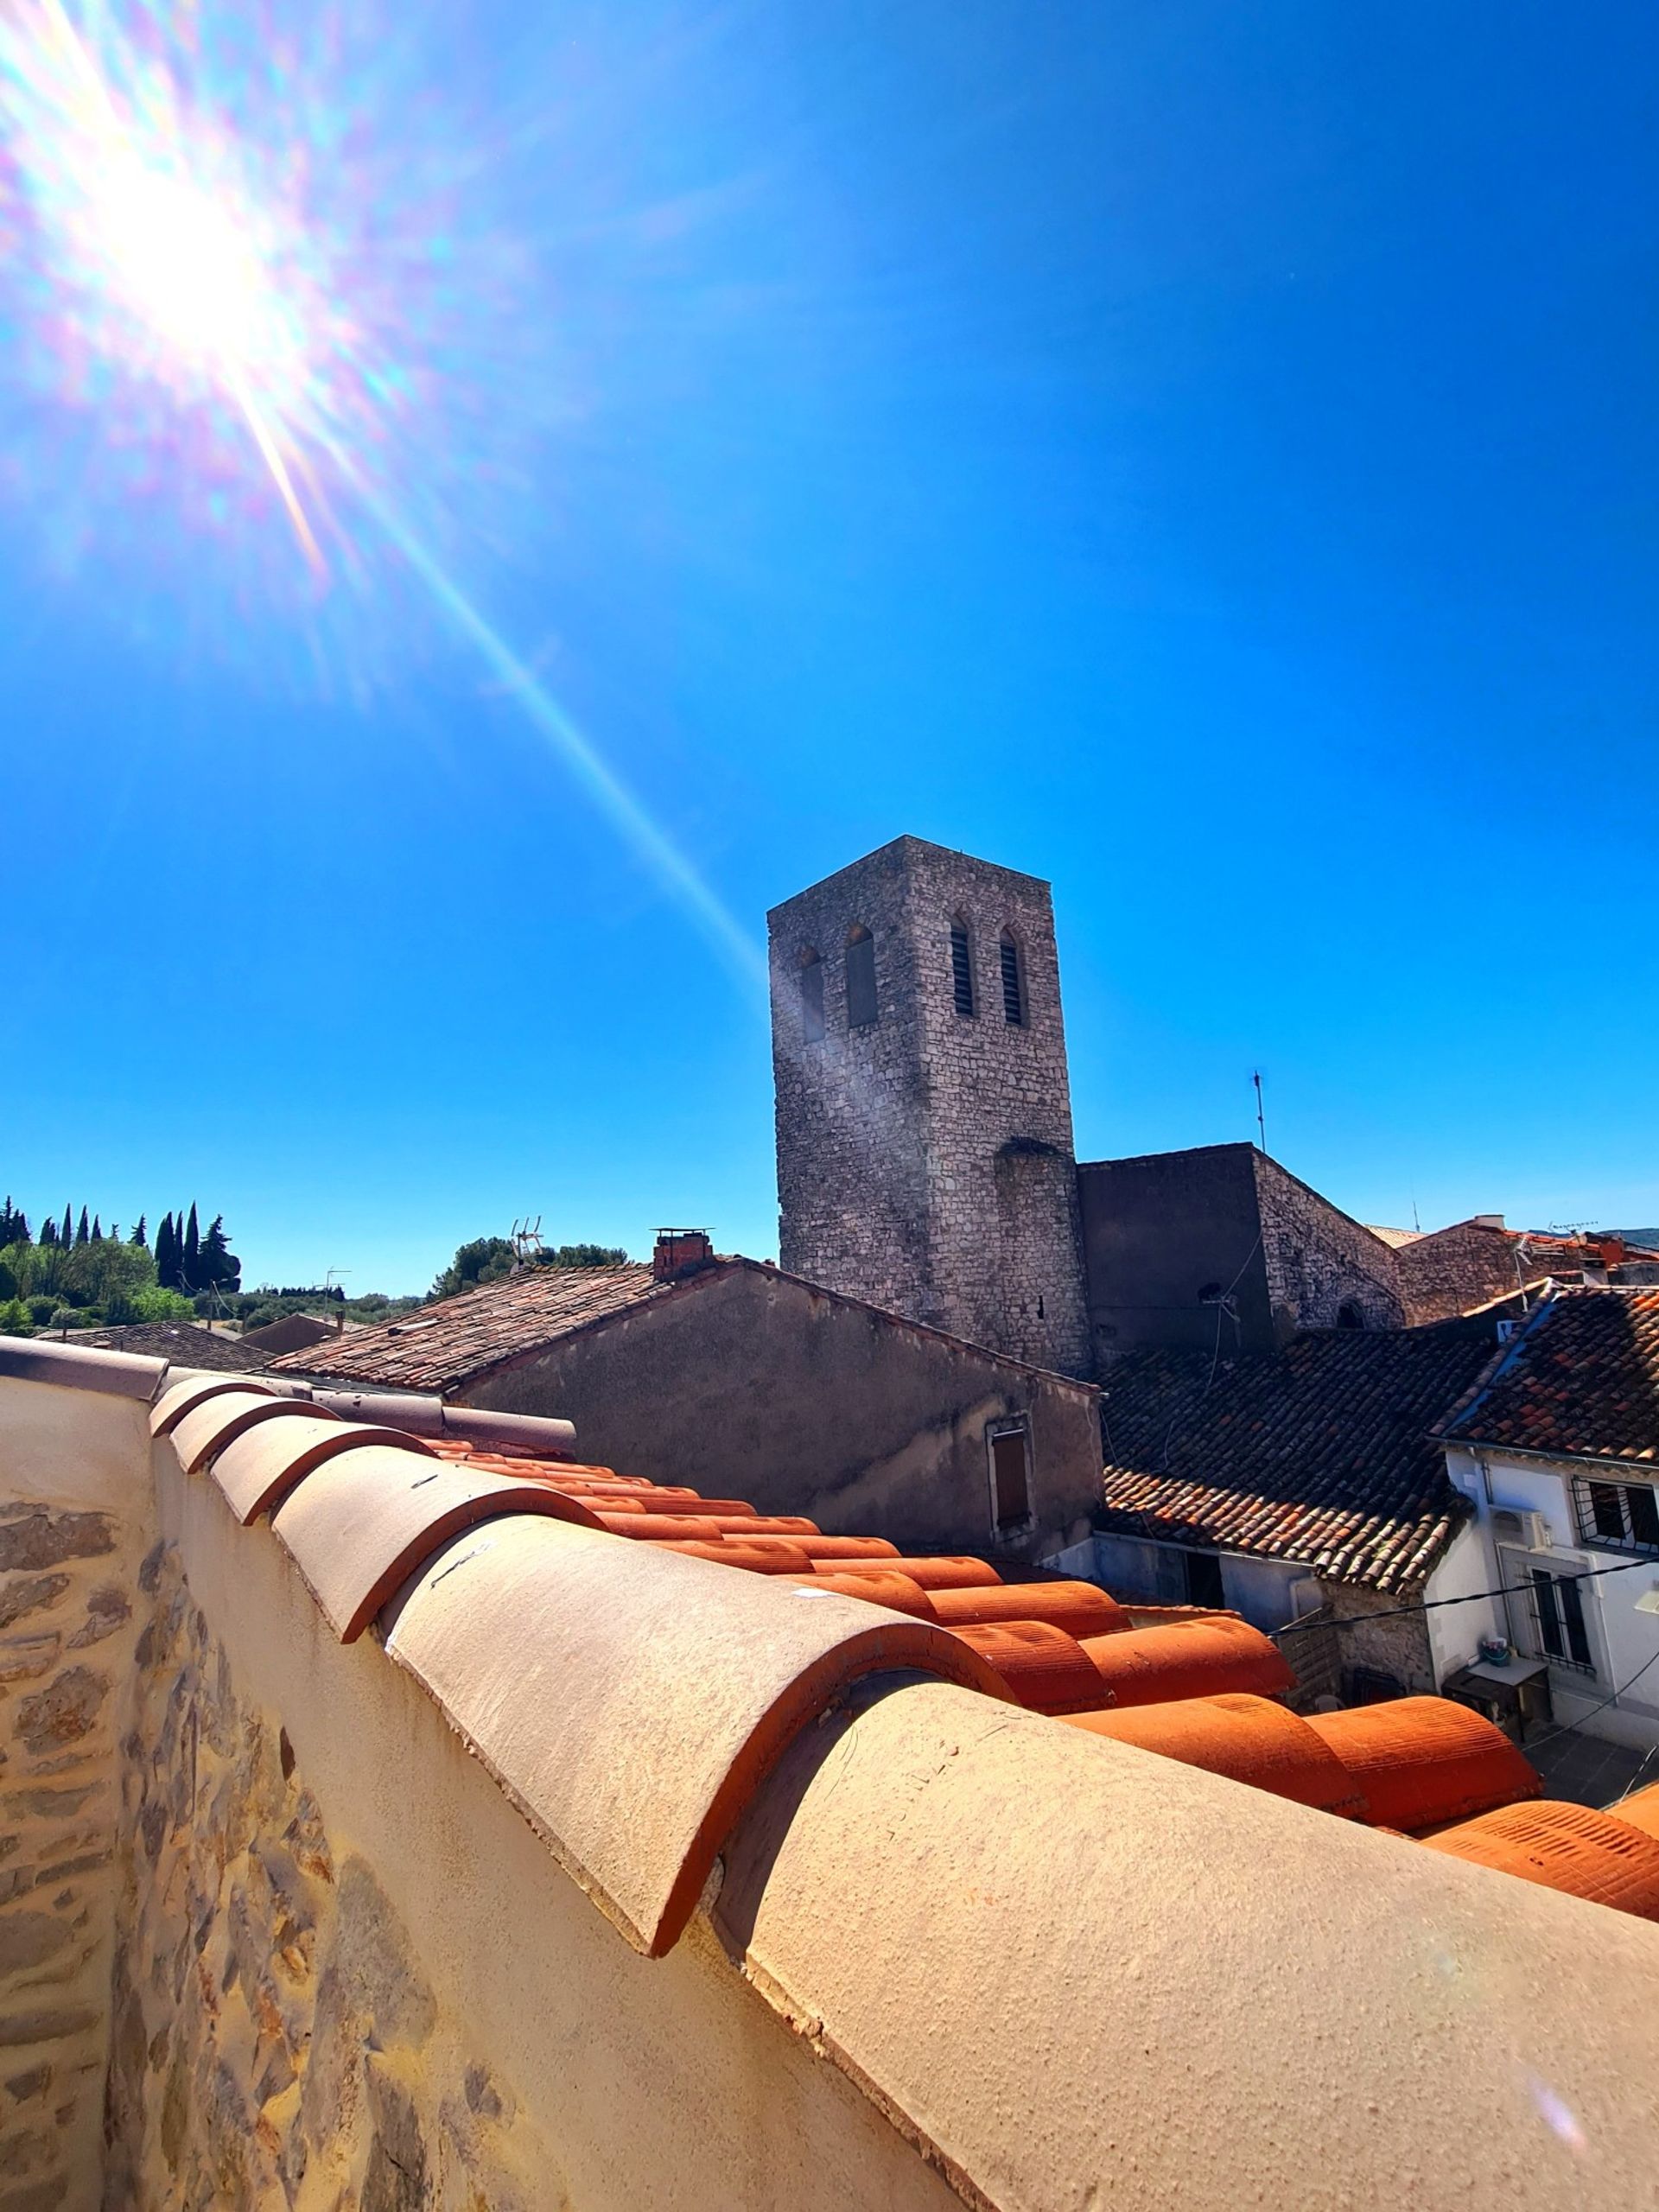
187 267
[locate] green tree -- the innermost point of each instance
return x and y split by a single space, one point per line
190 1254
13 1228
139 1235
155 1304
48 1231
486 1259
586 1255
167 1254
66 1234
14 1320
104 1274
83 1233
217 1265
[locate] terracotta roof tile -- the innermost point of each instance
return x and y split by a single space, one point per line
1582 1382
1320 1454
438 1346
713 1683
1422 1761
1587 1854
1250 1738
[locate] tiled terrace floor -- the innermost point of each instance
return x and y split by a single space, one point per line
1585 1771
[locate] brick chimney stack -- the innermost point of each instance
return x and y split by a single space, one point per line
680 1252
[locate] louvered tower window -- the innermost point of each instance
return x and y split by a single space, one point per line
1013 997
861 978
962 968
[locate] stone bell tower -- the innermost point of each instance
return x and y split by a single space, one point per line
924 1108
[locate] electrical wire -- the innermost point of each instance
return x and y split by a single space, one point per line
1433 1604
1567 1727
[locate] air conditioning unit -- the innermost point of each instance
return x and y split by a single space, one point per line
1513 1525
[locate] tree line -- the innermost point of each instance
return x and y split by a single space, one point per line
74 1274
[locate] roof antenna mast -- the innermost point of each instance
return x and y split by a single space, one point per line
1261 1118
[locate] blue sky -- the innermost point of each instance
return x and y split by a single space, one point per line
1202 455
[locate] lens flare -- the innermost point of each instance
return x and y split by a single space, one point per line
258 261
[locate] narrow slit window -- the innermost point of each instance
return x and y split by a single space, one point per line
1014 996
962 968
861 978
1011 1475
811 997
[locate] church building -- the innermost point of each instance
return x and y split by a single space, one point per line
925 1158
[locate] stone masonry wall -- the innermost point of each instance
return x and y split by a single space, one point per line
65 1646
1317 1259
925 1162
275 2044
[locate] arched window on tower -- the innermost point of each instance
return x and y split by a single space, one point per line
1013 991
811 997
861 977
1349 1315
961 967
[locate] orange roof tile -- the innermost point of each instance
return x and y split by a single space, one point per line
1250 1738
1594 1855
1187 1684
1424 1760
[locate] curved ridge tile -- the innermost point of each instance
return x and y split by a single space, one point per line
170 1409
1250 1740
906 1892
1045 1670
361 1523
1422 1761
260 1466
1155 1666
630 1699
207 1429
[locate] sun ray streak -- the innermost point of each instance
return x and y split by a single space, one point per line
244 266
272 454
545 714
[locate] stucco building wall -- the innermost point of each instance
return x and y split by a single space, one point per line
748 1383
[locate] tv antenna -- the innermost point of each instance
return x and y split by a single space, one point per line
527 1246
1261 1118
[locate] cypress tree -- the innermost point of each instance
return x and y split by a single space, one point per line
190 1256
219 1264
14 1227
66 1234
97 1230
140 1232
83 1234
167 1252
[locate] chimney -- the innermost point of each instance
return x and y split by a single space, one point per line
680 1252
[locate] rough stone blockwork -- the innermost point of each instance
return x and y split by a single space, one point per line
62 1611
272 2039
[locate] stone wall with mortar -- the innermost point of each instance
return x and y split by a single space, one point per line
274 2028
1317 1259
73 1520
924 1160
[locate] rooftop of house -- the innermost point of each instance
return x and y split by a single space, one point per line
182 1342
1199 1687
926 1830
446 1345
1318 1455
440 1346
1581 1381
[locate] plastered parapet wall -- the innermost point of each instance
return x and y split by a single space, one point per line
380 1912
